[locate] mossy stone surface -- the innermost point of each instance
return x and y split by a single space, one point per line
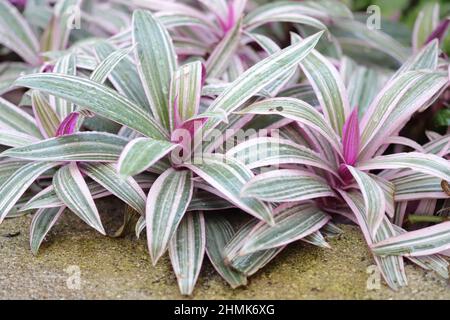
121 269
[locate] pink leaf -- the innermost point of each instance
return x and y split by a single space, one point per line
68 125
351 138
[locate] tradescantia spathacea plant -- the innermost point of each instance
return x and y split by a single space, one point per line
173 95
340 151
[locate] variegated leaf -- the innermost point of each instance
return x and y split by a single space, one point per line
187 249
13 188
46 117
157 62
296 110
73 191
15 118
141 153
218 233
126 189
43 221
374 200
292 222
167 203
82 146
228 176
96 98
286 185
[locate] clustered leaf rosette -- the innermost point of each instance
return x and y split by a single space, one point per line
155 107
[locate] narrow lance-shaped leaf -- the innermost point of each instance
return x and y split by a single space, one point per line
187 249
221 56
156 62
105 67
16 34
13 188
228 176
82 146
420 242
96 98
267 151
141 153
426 163
261 74
67 64
43 221
13 138
126 189
328 86
167 202
185 92
46 117
292 222
296 110
374 200
74 192
15 118
286 185
124 76
218 233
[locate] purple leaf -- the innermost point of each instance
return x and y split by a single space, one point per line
439 32
68 125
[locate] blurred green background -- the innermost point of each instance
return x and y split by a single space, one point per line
403 11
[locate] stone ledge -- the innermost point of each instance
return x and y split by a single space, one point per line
121 269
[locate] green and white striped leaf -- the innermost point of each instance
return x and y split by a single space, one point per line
187 249
141 153
292 222
420 242
426 163
185 88
432 262
73 191
107 65
296 110
124 76
228 176
426 58
286 185
267 151
157 62
374 200
395 104
416 185
328 86
206 201
16 185
218 233
56 35
48 121
426 21
15 118
392 267
82 146
260 75
126 189
96 98
167 203
250 263
67 64
13 138
220 57
43 221
16 34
